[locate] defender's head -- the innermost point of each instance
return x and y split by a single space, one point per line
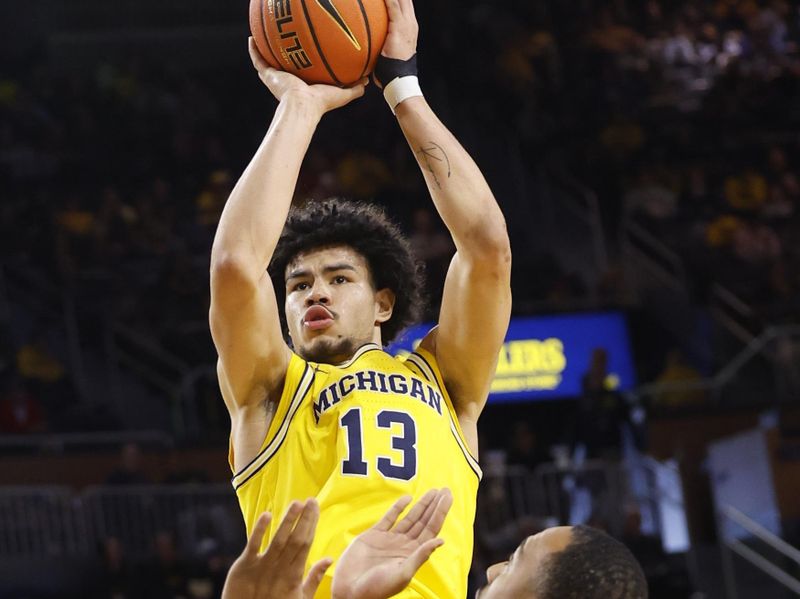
567 563
346 276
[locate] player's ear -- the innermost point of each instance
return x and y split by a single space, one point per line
384 304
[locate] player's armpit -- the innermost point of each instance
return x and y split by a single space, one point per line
473 320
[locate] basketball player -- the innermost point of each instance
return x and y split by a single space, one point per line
332 415
566 562
559 563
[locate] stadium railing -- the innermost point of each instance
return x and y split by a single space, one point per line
573 225
51 521
644 253
733 313
656 276
731 545
64 442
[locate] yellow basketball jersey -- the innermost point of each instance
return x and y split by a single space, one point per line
357 436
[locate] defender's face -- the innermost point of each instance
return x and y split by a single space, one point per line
513 578
332 307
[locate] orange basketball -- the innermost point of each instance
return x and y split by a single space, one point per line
321 41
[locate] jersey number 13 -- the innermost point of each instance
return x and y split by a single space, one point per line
406 442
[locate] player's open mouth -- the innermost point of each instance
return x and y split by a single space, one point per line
317 318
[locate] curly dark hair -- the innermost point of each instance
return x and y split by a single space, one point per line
367 229
593 566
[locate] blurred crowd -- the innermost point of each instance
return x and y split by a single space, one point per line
696 138
683 116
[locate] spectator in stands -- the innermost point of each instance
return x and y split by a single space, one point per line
37 362
166 576
756 244
129 471
211 200
650 199
75 236
746 192
116 579
784 187
362 175
677 370
601 411
20 411
176 473
207 578
526 448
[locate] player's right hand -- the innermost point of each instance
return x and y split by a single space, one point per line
285 86
278 572
381 561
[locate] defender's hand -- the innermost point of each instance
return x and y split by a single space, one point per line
278 572
401 41
284 86
381 561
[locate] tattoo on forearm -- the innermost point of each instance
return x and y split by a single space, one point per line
429 152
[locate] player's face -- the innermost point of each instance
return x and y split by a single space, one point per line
513 577
332 307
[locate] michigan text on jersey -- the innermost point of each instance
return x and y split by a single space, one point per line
378 382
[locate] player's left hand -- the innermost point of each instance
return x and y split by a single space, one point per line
278 572
381 561
401 40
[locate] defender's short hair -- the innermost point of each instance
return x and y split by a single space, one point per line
367 229
592 566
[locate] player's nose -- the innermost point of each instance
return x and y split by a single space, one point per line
320 294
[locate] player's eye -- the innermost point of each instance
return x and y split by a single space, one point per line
300 287
340 279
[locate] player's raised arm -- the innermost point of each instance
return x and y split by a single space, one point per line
244 317
476 305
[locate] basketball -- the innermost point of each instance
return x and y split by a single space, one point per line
321 41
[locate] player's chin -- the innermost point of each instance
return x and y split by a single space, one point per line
328 348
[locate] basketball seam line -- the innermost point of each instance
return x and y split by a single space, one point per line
316 43
369 37
266 33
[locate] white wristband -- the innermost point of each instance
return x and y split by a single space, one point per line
400 89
